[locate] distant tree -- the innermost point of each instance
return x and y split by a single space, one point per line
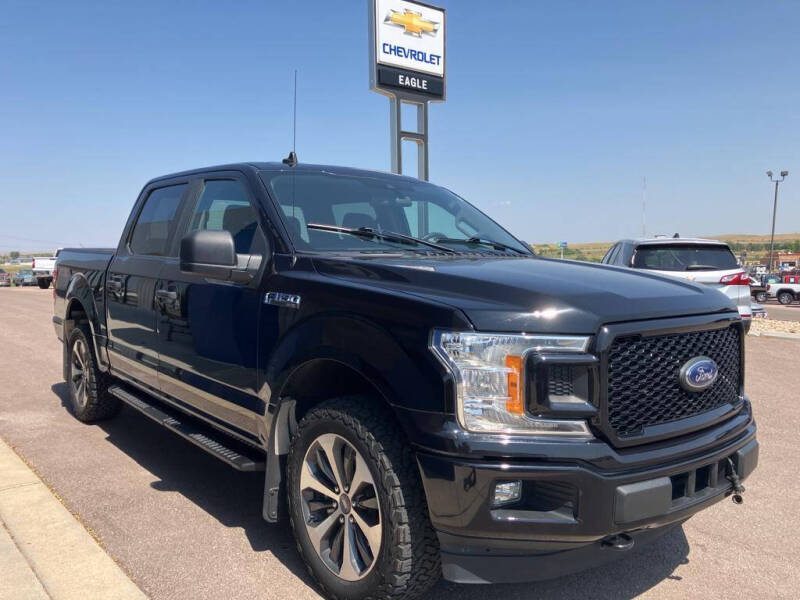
14 254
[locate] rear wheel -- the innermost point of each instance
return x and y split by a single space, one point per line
44 283
785 297
761 297
357 505
88 386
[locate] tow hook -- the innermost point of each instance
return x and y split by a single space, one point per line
738 488
619 542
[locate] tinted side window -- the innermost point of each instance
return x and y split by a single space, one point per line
619 255
614 254
224 205
156 221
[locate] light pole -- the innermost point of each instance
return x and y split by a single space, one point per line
774 210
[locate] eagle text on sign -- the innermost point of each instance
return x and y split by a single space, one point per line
416 82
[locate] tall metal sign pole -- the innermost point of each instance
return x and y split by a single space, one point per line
774 210
407 64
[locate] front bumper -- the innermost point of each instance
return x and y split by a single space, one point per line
569 509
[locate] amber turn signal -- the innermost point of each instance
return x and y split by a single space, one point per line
514 404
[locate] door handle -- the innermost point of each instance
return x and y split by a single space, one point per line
114 285
166 295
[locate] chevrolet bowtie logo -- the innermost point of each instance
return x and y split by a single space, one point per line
413 22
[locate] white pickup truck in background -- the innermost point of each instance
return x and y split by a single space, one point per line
43 267
785 291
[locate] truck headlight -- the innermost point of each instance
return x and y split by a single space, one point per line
490 389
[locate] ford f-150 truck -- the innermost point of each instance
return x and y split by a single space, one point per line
428 396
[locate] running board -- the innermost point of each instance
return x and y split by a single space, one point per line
199 435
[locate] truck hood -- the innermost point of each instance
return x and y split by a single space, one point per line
531 294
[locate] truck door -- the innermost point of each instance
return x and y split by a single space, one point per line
131 283
207 329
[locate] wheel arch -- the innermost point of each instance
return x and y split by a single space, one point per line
81 308
334 357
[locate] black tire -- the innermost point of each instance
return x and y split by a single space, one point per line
92 402
43 283
408 562
761 297
785 298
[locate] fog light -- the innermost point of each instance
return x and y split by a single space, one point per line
507 492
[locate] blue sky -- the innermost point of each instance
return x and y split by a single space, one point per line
555 110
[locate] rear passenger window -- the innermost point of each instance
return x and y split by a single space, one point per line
156 222
224 206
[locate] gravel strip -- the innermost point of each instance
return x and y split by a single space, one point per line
774 326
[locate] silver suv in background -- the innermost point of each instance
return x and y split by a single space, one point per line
709 262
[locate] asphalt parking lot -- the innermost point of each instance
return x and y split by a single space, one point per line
183 525
782 313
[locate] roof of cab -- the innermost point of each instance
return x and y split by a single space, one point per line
278 166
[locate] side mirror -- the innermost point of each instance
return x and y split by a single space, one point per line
211 254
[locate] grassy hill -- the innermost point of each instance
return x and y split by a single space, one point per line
755 246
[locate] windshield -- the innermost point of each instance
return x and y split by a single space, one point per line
383 204
684 257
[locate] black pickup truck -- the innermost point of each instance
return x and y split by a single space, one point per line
428 396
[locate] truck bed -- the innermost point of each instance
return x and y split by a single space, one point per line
94 259
92 263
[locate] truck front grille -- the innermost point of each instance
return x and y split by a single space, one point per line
643 385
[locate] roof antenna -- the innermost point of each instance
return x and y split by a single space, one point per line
291 160
676 236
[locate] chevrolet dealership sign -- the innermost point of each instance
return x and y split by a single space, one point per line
407 48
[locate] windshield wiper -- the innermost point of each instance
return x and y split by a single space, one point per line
483 242
702 268
368 232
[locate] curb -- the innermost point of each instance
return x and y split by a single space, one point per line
776 334
65 559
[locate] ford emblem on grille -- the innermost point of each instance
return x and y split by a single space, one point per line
698 374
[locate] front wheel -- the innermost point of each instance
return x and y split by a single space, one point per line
761 297
785 298
357 506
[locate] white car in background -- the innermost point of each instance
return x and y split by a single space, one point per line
709 262
43 267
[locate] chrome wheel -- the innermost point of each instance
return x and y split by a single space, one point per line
78 374
340 505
